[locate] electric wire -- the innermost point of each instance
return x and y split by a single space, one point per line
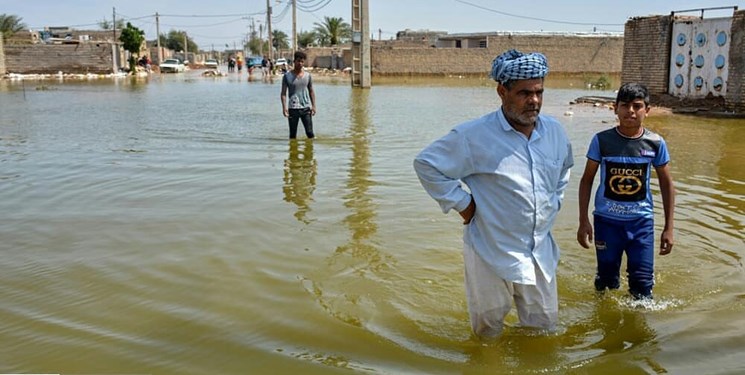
315 7
282 14
306 6
205 25
536 18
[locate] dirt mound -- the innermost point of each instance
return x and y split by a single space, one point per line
665 104
710 103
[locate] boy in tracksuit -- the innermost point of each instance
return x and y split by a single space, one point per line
623 215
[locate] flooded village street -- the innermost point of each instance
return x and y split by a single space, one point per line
166 225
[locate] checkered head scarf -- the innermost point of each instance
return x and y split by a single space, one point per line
513 65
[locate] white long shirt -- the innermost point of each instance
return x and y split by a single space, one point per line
517 184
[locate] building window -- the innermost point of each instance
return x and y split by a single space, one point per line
457 44
482 43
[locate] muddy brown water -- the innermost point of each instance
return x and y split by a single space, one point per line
167 226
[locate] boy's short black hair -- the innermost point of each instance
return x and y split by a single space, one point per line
632 91
300 55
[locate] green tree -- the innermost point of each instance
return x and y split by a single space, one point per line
333 31
175 41
107 25
10 24
279 38
132 38
306 38
254 43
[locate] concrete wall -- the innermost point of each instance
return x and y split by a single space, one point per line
68 58
646 53
735 96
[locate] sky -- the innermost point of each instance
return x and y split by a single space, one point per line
213 24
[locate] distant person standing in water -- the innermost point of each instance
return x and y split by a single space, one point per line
301 105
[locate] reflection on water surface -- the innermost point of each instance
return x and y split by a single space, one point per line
166 225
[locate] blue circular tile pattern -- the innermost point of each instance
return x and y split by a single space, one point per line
700 39
719 62
698 83
718 83
721 38
699 61
679 80
682 39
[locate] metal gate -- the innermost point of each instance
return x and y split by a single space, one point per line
699 55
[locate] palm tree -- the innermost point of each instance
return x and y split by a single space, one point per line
279 38
10 24
333 31
306 38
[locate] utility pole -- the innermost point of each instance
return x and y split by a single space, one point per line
269 29
186 49
294 27
157 31
261 39
360 44
113 42
251 36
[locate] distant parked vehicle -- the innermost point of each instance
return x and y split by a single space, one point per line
210 64
254 62
281 63
172 66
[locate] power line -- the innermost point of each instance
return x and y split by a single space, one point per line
536 18
205 25
314 7
278 18
237 36
125 17
213 15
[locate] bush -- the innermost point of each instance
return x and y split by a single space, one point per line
603 82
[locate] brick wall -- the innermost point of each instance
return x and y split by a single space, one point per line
735 96
566 54
22 37
52 58
429 61
646 52
325 57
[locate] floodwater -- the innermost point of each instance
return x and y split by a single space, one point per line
167 226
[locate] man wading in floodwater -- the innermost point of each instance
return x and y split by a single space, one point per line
302 101
516 164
